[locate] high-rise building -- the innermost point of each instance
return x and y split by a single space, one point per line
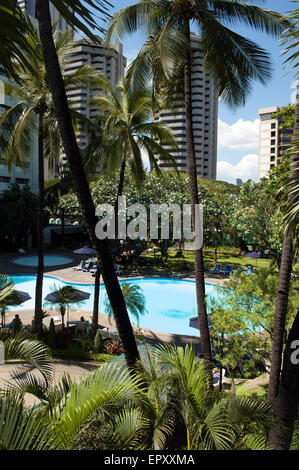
273 142
30 6
239 181
204 118
23 175
111 63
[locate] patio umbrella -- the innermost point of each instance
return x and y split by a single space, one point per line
72 296
193 322
85 250
77 296
17 297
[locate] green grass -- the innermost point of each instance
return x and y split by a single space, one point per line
260 391
153 261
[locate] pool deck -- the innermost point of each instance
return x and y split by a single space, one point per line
67 274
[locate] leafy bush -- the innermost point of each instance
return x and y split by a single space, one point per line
76 354
114 347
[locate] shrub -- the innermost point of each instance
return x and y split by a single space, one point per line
114 347
75 354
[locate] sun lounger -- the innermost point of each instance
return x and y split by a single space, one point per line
80 266
117 269
216 270
89 267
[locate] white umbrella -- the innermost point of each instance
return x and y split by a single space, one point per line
85 250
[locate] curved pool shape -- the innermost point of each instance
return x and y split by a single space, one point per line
169 302
49 260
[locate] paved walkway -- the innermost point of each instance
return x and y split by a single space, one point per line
77 371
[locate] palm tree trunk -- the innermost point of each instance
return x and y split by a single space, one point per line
95 315
62 227
198 253
80 183
38 313
283 284
287 400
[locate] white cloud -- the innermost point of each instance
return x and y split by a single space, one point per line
241 135
246 168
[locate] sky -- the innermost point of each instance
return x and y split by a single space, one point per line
238 128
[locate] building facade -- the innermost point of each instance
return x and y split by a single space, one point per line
30 5
111 63
28 173
204 118
273 142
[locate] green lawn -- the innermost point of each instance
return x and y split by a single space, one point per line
153 261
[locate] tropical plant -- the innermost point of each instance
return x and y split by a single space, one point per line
233 61
128 131
63 298
12 36
285 268
134 300
73 154
23 345
9 296
284 376
22 428
34 114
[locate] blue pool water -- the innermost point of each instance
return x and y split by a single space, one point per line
169 302
49 260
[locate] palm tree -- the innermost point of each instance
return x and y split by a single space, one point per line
6 293
73 155
166 405
284 378
134 300
233 61
64 297
128 131
32 113
12 36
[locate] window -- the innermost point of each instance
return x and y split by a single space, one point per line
273 142
22 180
273 125
4 179
273 134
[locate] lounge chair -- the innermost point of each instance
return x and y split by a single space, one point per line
216 270
80 266
249 270
117 269
89 267
93 270
228 269
239 268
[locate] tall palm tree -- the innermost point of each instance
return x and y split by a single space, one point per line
72 152
233 61
128 131
34 113
284 375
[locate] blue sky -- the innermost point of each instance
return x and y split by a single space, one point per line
238 128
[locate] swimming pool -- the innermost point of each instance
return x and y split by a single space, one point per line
49 260
169 302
